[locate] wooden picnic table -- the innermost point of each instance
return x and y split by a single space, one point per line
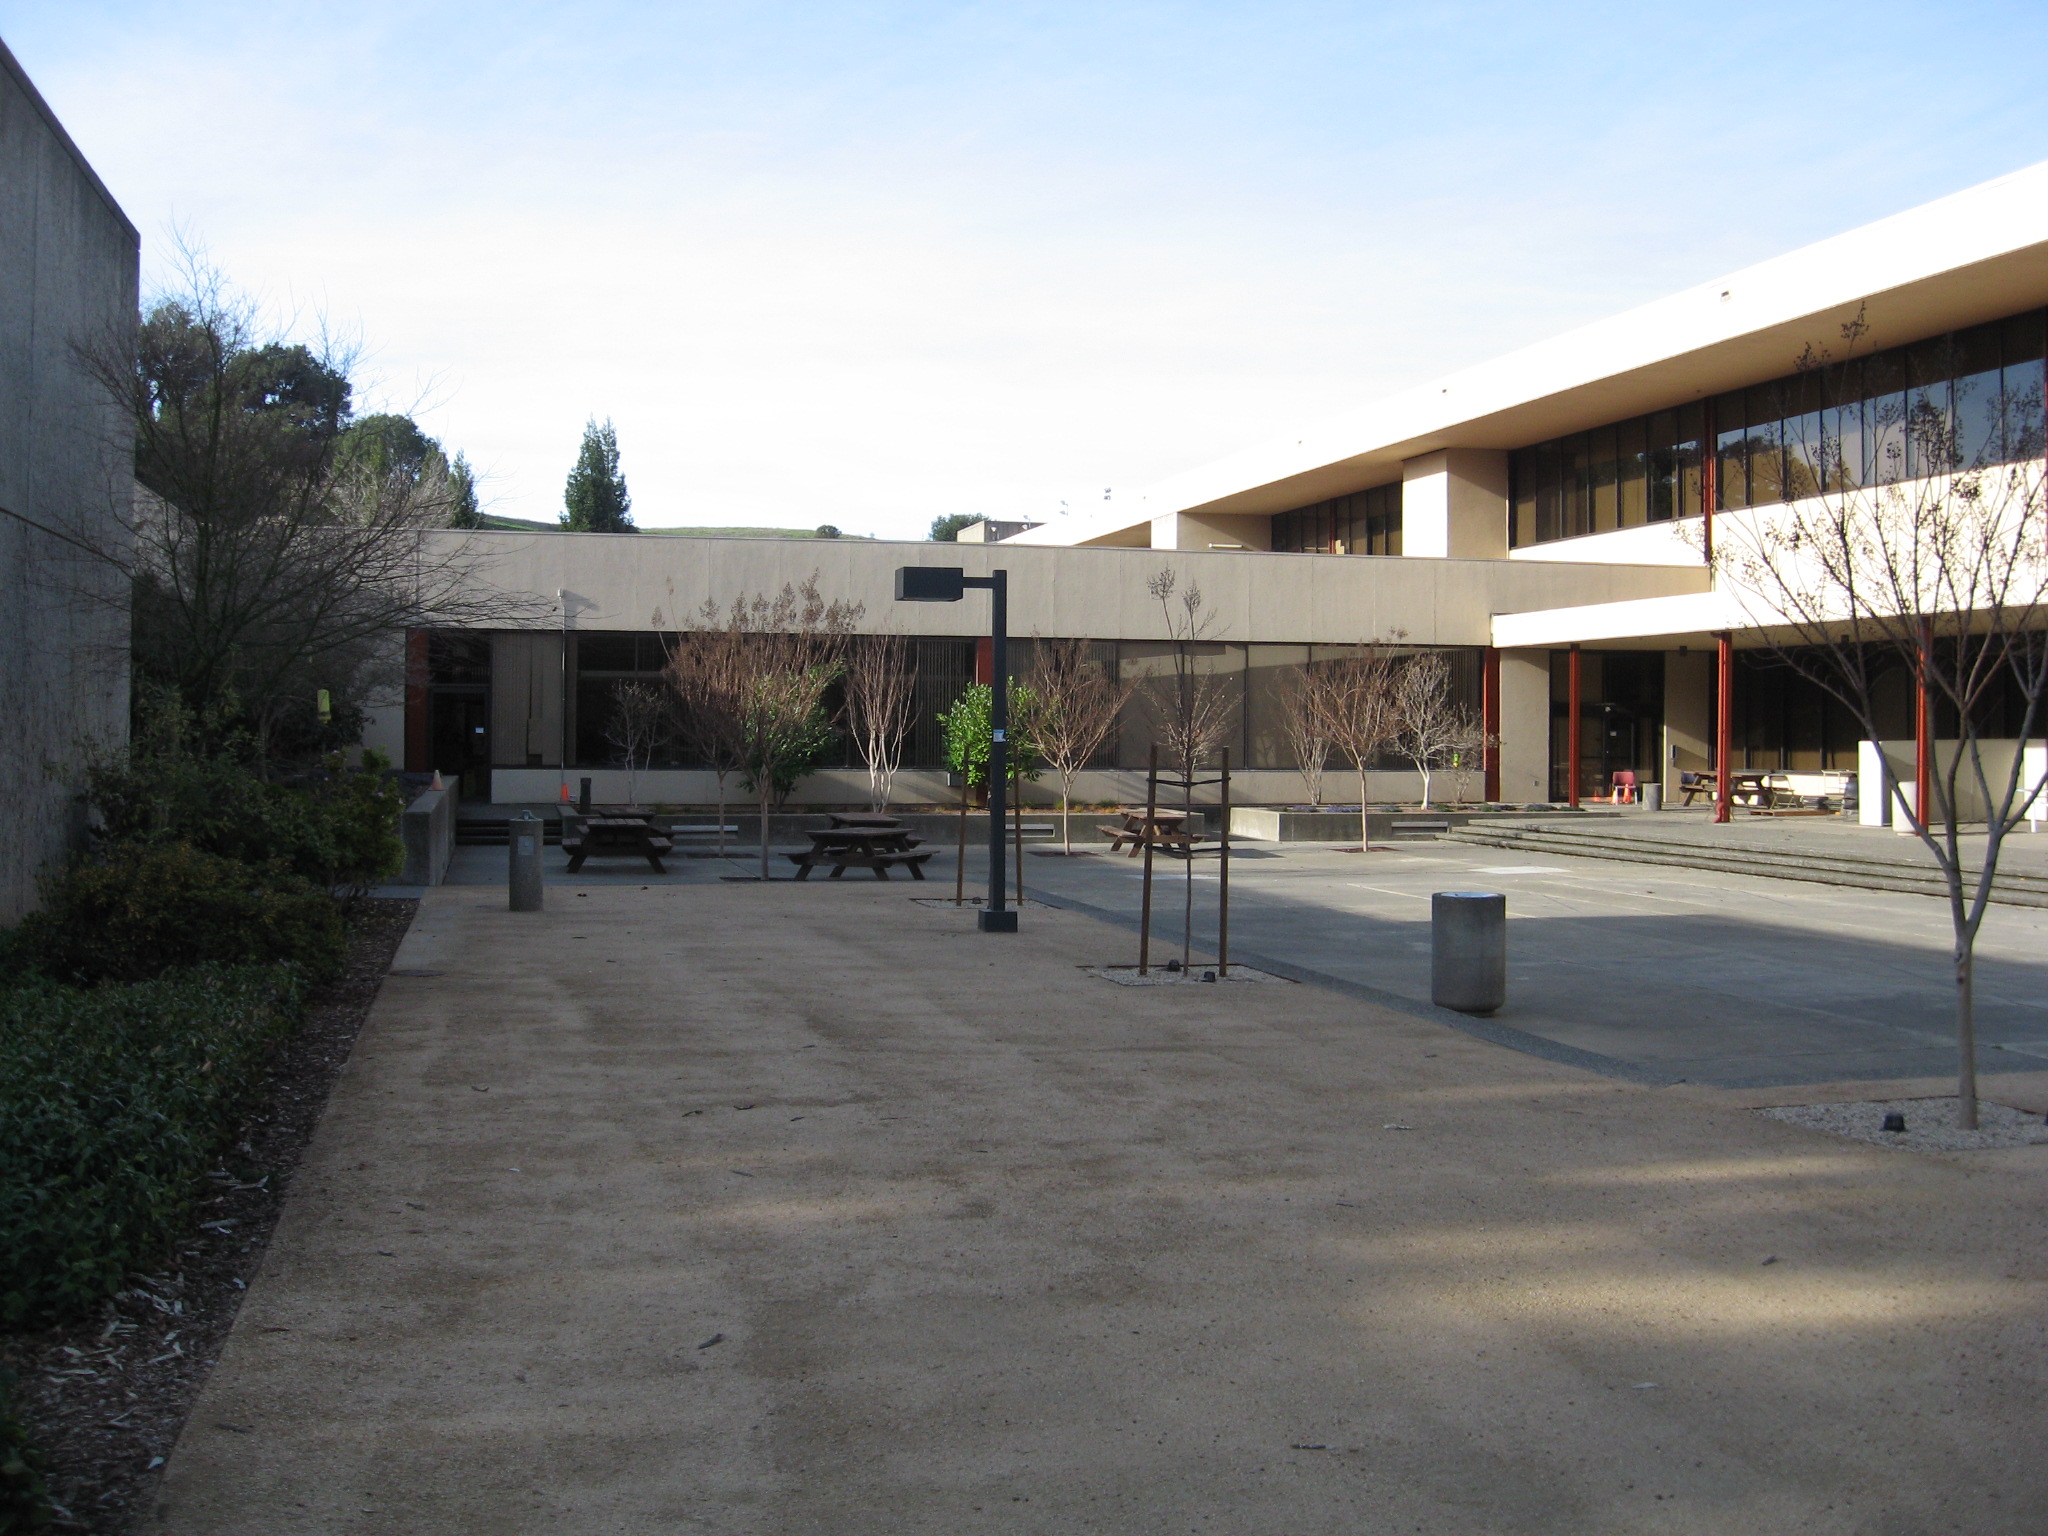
615 837
877 848
1746 786
864 819
1166 829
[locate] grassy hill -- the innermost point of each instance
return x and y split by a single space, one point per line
530 525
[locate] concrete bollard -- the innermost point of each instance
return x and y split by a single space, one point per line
525 843
1468 933
1653 797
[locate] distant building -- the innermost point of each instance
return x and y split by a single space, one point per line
990 531
1539 516
68 275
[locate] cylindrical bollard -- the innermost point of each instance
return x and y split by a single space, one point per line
1469 950
524 842
1653 797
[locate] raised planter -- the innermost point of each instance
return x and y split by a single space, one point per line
1280 824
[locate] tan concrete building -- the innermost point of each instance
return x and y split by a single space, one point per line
1543 516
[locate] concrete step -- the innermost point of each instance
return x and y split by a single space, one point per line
1857 871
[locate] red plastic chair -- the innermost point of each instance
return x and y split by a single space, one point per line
1624 786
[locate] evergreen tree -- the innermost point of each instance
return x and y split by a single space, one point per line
462 483
595 499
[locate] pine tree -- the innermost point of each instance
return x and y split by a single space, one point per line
462 482
595 499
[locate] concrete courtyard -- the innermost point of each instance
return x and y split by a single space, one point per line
779 1209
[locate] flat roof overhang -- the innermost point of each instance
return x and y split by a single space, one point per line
1961 260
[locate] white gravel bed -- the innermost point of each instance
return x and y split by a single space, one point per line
1930 1124
1199 975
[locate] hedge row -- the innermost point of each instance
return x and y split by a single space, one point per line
114 1102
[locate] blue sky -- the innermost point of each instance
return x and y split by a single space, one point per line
870 263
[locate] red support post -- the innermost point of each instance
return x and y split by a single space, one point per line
417 750
1489 718
1724 728
1571 734
1923 727
984 660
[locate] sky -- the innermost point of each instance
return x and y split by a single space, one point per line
872 263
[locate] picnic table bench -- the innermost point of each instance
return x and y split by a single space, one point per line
1166 829
1745 786
615 837
879 848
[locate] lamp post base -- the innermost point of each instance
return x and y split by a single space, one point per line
1004 921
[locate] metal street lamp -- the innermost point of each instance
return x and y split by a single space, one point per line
948 584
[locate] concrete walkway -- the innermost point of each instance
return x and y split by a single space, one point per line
796 1209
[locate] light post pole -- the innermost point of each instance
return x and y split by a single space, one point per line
948 584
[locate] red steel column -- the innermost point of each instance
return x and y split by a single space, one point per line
417 751
1724 728
1571 735
1923 728
984 660
1489 721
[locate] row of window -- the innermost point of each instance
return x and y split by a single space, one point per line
1258 684
1964 400
1367 523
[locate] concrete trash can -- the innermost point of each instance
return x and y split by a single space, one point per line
1653 797
1468 950
525 844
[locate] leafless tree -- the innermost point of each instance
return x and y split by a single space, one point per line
1430 727
264 563
1469 753
792 647
707 674
1076 706
1191 708
642 721
1354 696
879 686
1308 734
1912 543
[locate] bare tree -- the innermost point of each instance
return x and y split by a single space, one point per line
642 721
1430 727
1354 696
1191 708
1912 544
791 648
707 673
264 563
1076 709
879 686
1308 734
1468 755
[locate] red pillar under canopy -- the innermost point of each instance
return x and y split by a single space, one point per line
1574 724
1489 717
1724 726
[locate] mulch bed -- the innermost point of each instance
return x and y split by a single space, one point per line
106 1398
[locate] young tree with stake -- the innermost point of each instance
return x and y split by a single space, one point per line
1077 704
1913 542
877 709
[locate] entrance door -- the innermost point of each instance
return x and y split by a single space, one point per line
459 736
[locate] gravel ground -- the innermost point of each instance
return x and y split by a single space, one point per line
1930 1124
105 1398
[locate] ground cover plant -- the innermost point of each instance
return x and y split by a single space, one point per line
113 1101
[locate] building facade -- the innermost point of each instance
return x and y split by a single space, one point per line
1545 516
68 276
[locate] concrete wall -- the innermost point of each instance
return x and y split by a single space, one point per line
1524 726
839 787
639 582
68 263
1689 707
1454 505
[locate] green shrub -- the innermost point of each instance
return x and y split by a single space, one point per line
24 1506
141 909
113 1103
336 826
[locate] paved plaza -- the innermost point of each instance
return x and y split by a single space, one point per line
780 1209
